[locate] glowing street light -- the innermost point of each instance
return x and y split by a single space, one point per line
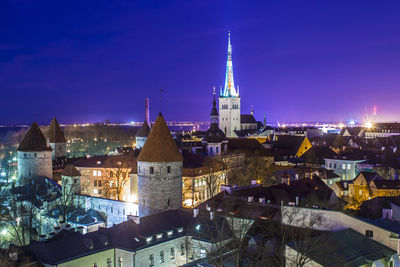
368 124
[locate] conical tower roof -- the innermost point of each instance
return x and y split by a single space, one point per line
144 130
55 134
159 146
34 140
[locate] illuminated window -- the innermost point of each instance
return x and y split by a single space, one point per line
348 166
94 173
119 261
95 191
343 166
202 253
98 173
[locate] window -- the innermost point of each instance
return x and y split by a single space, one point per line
343 166
348 166
161 256
75 181
94 173
151 170
334 165
95 183
94 264
109 262
172 253
99 191
182 249
99 183
35 154
119 261
95 191
169 169
216 150
98 173
151 260
202 253
369 233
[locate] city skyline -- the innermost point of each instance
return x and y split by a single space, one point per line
97 63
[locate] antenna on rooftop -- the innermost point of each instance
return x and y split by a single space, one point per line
161 91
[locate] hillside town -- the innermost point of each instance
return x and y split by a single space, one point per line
242 193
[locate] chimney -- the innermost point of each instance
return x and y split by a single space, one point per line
147 107
195 213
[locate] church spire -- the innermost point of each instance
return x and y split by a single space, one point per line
229 88
214 112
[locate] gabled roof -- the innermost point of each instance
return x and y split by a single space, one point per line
144 130
54 133
159 146
34 140
387 184
70 171
343 248
247 118
248 146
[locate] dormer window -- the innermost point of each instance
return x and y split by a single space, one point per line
169 233
149 239
136 239
180 230
159 236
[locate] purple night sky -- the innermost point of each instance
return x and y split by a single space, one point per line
87 61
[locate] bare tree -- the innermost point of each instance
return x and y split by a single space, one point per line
118 168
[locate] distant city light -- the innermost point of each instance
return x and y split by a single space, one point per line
368 124
341 125
352 122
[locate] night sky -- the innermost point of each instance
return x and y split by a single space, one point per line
88 61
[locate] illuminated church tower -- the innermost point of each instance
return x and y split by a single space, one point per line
229 100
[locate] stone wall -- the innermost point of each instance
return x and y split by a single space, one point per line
32 164
115 211
59 149
140 141
160 190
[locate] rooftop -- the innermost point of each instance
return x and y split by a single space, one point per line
34 140
159 146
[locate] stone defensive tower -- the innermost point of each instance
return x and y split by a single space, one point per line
57 140
34 156
159 170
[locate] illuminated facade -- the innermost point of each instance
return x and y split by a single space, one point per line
229 100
